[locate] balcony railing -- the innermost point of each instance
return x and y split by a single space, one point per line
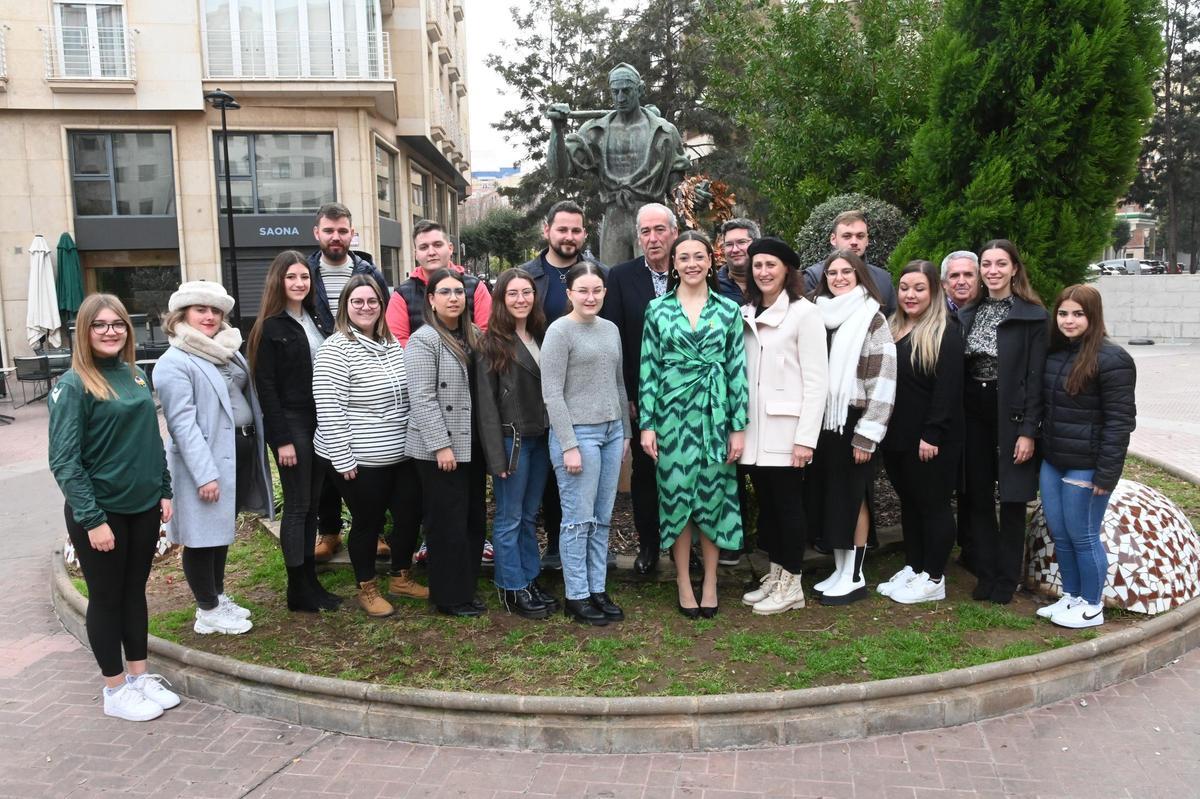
291 55
3 56
445 125
89 54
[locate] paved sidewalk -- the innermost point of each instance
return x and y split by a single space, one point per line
1168 424
1139 740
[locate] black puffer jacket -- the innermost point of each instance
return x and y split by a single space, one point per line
1091 429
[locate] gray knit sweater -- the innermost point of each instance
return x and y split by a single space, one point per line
582 381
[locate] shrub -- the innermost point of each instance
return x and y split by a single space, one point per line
886 224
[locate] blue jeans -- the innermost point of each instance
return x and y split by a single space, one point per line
1074 515
587 503
514 529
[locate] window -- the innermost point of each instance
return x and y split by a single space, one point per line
389 264
419 183
91 39
276 173
385 187
143 279
122 174
294 38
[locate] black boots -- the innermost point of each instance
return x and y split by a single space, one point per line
584 612
300 596
523 603
646 561
324 599
602 603
545 596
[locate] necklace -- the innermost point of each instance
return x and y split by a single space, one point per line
562 275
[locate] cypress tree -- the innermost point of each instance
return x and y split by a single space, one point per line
1036 113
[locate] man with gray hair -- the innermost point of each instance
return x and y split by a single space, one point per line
631 287
737 234
960 279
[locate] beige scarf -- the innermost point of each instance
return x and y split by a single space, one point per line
219 349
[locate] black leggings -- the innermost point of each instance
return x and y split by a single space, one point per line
457 523
781 520
204 568
924 489
116 581
370 495
302 486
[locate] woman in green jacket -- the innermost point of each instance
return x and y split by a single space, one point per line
108 459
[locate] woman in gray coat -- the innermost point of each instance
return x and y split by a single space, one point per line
216 451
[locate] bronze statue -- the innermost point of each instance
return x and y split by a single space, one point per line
637 155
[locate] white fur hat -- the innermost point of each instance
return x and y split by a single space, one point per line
201 292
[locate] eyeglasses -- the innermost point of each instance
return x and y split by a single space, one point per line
740 244
100 328
514 294
459 292
596 292
360 303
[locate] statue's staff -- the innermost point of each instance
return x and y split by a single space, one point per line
559 111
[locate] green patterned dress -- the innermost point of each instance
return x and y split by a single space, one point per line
693 392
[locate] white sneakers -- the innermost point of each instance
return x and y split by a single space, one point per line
786 593
1079 614
141 698
766 583
232 608
920 588
151 687
896 580
1058 607
127 702
219 620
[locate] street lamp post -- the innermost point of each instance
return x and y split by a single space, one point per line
225 101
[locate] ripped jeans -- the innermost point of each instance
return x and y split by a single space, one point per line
1074 515
587 503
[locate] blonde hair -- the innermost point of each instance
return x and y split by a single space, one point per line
83 359
929 328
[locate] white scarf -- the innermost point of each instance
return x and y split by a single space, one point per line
849 316
219 349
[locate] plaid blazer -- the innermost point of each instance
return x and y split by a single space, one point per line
440 399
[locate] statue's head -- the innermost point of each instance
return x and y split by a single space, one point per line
625 83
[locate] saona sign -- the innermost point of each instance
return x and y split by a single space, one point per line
278 231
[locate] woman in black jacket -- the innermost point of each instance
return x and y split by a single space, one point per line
1002 399
924 438
282 346
1089 414
512 430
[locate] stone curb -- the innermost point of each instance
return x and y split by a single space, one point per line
661 724
1169 468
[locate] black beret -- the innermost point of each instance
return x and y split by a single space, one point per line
769 245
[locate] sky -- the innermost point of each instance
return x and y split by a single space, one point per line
489 23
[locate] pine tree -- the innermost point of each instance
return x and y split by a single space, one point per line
1036 113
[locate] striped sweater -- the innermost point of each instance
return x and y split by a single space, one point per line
875 385
361 395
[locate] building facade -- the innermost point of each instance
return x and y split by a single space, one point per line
105 134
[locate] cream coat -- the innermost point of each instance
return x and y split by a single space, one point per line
787 365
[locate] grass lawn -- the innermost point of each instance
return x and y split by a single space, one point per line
655 652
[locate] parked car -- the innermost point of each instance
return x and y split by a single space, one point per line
1153 267
1119 266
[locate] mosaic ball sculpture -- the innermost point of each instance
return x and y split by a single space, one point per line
1153 552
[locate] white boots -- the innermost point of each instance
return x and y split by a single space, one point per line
786 593
848 583
766 583
839 560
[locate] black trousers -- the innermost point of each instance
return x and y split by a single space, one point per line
204 569
116 581
329 508
457 521
999 548
644 493
302 486
551 512
370 495
924 489
782 531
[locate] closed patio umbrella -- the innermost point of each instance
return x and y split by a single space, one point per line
70 277
41 317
